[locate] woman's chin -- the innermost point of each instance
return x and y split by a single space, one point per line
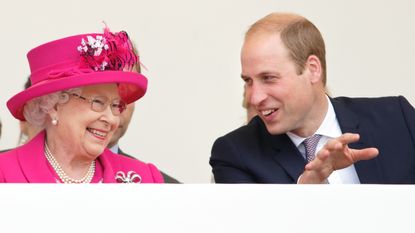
95 150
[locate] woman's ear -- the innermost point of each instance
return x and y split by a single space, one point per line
53 115
313 66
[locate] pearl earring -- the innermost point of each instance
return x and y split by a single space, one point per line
54 122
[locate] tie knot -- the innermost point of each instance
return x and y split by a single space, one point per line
310 145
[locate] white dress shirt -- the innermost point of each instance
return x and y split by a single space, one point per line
329 129
114 148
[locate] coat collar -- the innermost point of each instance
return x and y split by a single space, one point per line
283 151
109 166
35 168
33 162
287 155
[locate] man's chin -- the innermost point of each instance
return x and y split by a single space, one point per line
274 130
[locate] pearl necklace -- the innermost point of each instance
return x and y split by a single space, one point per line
61 173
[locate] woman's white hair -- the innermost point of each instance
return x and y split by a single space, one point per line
36 110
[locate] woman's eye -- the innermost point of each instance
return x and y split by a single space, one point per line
98 101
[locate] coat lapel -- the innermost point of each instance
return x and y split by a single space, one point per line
34 165
284 152
35 168
288 156
367 170
109 166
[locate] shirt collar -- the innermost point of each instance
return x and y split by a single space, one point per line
114 149
325 129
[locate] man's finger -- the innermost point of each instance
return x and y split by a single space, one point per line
340 142
347 138
364 154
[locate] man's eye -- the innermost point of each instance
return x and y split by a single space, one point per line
248 81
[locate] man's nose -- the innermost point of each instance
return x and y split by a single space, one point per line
256 94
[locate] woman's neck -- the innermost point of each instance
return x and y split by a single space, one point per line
70 158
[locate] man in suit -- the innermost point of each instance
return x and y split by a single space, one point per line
358 140
125 119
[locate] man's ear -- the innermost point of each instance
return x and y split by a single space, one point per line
313 66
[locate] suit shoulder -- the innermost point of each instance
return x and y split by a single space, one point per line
368 100
388 103
9 161
252 129
8 155
246 138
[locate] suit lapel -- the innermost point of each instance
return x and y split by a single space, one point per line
284 152
368 170
33 161
288 156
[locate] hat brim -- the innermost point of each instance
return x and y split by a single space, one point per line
131 87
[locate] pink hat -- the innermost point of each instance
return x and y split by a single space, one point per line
82 60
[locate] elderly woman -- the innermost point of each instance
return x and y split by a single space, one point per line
80 86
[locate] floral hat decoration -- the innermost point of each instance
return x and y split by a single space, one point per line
82 60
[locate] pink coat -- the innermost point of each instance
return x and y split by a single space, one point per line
28 164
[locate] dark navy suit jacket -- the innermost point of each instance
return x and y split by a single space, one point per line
251 155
